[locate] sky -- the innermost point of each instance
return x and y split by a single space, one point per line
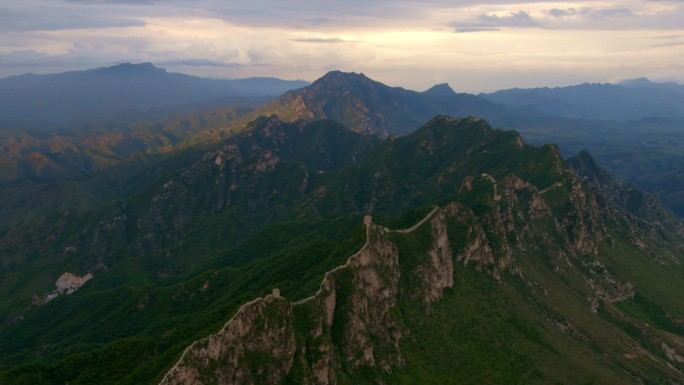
473 46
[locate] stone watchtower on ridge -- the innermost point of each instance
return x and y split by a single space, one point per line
367 220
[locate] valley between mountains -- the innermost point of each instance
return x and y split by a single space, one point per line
319 240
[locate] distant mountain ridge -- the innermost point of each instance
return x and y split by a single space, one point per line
370 107
647 152
629 100
81 96
646 83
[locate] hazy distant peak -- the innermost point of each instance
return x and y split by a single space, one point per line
638 82
646 83
81 96
440 90
134 68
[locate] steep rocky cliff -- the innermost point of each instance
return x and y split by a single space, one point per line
349 323
355 322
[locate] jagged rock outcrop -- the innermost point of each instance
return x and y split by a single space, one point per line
350 323
277 159
255 347
438 273
347 324
641 212
562 219
67 283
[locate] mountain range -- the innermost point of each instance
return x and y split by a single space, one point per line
125 92
646 152
344 233
370 107
626 101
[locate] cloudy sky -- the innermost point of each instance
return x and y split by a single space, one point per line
473 46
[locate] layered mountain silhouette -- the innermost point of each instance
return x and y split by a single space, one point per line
646 83
634 131
370 107
626 101
38 160
82 96
632 128
41 163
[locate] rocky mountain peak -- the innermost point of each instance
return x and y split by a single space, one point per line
370 107
440 90
339 78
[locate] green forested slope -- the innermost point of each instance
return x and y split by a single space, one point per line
557 277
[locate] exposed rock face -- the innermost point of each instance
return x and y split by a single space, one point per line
274 158
672 354
646 218
605 287
255 347
369 107
375 282
523 217
438 274
344 325
353 323
68 283
350 323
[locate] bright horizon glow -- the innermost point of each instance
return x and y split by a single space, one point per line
472 46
